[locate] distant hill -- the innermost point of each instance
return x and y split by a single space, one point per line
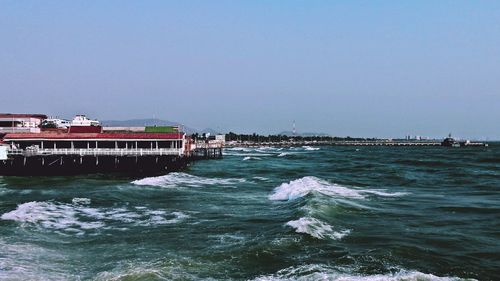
146 122
305 134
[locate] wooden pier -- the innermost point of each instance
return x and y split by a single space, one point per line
204 150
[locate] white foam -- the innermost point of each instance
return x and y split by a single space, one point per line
283 154
78 218
323 272
252 152
238 149
303 186
227 239
83 201
384 194
317 228
306 185
174 180
251 158
270 148
309 148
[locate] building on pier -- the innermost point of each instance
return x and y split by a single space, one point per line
90 150
18 123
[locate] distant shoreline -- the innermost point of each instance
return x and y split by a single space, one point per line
348 143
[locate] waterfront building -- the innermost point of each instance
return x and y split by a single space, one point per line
19 123
85 148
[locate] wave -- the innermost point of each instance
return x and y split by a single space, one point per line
301 187
324 272
83 201
237 149
310 148
259 148
253 152
383 193
425 163
78 218
249 154
22 260
251 158
316 228
173 180
4 191
171 268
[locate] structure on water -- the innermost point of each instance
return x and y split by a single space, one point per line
86 147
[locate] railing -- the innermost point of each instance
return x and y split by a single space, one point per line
208 145
96 152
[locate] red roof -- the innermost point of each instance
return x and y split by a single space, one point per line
63 136
14 115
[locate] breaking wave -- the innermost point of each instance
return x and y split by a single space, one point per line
78 218
303 186
310 148
317 228
251 158
324 272
173 180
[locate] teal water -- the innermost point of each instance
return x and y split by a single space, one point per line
307 213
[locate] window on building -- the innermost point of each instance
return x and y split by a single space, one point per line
80 144
106 144
63 144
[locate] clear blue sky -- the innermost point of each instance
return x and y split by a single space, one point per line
359 68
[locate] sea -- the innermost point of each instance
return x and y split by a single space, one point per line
264 213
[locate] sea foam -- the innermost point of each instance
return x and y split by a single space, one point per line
324 272
316 228
174 180
78 218
306 185
251 158
309 148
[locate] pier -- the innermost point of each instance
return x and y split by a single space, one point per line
129 153
203 150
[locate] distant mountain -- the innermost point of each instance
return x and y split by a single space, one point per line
146 122
305 134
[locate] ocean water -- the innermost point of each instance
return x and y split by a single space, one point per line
305 213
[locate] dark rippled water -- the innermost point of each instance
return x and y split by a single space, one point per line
329 213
